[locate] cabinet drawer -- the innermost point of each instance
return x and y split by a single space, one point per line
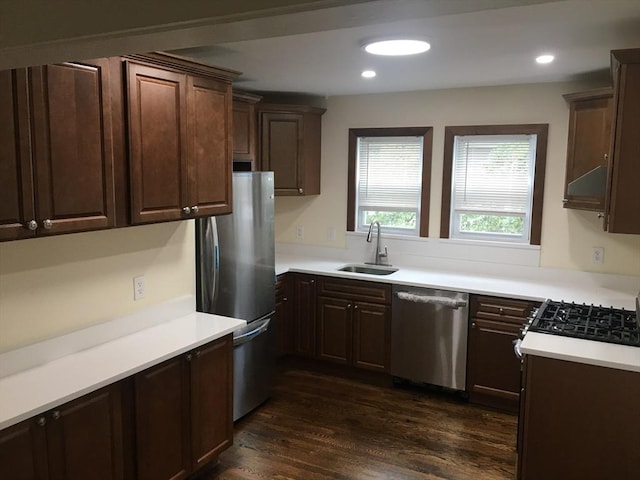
500 309
355 290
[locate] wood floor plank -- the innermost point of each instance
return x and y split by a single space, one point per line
320 427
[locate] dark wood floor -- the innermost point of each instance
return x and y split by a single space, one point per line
319 427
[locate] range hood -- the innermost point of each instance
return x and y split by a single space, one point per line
591 184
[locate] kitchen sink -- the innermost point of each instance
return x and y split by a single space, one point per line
368 269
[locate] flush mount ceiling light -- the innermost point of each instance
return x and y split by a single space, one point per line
396 47
546 58
368 74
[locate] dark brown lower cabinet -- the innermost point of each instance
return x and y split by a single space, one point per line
578 421
78 440
184 412
353 324
284 323
162 421
493 370
333 331
211 401
304 314
372 336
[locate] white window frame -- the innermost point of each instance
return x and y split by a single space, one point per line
457 212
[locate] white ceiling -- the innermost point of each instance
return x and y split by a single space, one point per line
482 45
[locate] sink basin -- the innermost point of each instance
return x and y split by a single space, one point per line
368 269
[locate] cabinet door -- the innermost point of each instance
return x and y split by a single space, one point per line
157 107
588 144
210 139
372 336
211 400
305 314
84 437
16 187
580 422
162 421
244 132
73 146
493 372
283 320
333 332
281 145
23 451
623 196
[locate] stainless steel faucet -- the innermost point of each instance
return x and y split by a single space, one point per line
381 257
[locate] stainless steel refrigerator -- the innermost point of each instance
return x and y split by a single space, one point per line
235 277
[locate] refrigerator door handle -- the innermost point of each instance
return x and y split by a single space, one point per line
210 252
246 337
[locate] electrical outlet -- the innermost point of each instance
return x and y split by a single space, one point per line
331 234
597 255
138 287
299 232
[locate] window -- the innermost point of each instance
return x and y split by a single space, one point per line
493 183
389 179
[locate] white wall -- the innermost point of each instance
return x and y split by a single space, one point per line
54 285
567 235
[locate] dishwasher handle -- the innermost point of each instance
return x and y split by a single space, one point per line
448 302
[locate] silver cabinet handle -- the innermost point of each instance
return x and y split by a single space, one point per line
186 210
355 307
600 215
188 357
46 223
194 209
565 201
32 225
56 415
300 190
606 157
42 422
348 306
198 353
285 299
501 310
473 324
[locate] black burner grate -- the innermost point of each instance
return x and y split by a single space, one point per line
587 321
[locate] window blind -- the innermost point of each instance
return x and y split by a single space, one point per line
493 174
389 173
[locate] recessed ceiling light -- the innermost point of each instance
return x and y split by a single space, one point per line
397 47
545 58
368 74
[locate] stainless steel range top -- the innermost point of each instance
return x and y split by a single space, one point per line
590 322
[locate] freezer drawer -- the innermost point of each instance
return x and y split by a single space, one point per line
429 336
253 366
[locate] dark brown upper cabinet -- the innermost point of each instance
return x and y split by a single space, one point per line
180 138
622 201
59 137
245 143
290 147
588 144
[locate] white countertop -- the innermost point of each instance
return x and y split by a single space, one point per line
548 284
37 389
542 284
578 350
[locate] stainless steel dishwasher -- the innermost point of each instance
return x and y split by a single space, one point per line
429 336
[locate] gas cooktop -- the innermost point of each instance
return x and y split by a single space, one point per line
605 324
